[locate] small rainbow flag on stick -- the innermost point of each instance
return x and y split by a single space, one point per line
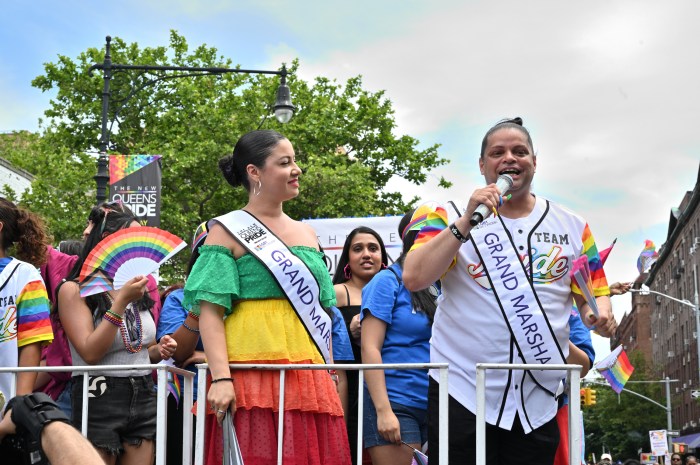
648 257
616 368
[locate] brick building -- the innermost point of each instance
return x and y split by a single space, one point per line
673 326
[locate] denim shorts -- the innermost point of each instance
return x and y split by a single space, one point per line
120 410
413 422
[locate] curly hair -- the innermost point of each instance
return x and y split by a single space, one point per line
26 231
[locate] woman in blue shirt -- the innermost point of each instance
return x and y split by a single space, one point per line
396 328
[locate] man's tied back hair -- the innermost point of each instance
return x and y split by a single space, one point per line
514 123
252 148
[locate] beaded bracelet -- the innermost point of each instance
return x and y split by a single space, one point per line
217 380
194 330
194 316
115 315
109 317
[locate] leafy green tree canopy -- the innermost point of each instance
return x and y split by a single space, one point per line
343 135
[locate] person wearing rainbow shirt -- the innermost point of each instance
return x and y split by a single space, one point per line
506 297
24 304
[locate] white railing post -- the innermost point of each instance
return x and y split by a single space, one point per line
280 425
201 413
480 415
161 414
187 399
84 407
443 418
575 417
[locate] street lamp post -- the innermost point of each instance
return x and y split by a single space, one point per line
283 108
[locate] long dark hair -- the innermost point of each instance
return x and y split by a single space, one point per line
339 276
425 299
26 231
105 222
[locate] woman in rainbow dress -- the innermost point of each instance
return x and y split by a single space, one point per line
261 289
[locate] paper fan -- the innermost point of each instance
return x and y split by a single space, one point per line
125 254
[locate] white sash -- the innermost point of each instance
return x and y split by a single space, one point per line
518 301
290 272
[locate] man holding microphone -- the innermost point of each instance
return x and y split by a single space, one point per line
507 296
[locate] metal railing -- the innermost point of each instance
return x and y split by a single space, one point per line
283 368
187 397
574 383
161 393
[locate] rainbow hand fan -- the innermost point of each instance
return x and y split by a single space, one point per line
125 254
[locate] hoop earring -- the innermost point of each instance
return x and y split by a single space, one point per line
347 272
383 266
259 188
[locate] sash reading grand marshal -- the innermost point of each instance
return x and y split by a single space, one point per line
291 273
517 299
135 180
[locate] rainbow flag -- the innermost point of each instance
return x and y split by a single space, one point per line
605 252
616 368
648 257
174 386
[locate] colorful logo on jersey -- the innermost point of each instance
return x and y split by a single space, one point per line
8 324
547 268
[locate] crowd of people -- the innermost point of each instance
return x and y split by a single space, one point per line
258 291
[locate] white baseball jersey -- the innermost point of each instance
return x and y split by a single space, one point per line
469 327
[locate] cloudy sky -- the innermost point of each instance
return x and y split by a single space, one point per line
608 88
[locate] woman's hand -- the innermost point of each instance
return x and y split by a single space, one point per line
222 397
133 289
167 347
355 327
388 426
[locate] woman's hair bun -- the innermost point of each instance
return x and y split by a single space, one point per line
228 169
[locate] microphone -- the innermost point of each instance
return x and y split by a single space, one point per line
504 183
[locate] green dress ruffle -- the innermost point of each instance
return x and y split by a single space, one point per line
219 278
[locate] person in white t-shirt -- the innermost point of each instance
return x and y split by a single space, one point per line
506 298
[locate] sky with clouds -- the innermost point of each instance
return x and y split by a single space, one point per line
608 88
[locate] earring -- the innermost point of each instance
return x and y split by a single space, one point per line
383 266
259 188
347 272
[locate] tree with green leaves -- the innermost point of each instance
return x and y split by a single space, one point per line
344 137
621 423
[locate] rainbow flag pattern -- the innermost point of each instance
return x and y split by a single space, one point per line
598 281
125 254
429 220
648 257
33 308
121 166
616 369
174 387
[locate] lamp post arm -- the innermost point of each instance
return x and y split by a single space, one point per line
634 393
649 291
107 67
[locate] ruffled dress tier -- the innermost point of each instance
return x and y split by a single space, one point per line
262 327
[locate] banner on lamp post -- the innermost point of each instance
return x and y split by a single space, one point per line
135 180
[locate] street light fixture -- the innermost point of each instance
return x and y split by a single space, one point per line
283 108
